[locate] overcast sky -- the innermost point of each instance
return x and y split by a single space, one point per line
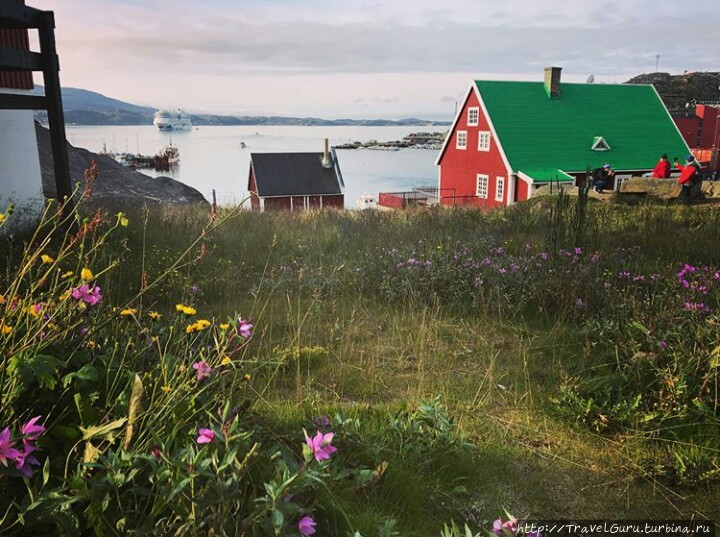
364 58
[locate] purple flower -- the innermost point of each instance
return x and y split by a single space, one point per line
662 344
500 527
7 451
205 436
320 445
203 369
306 526
25 461
535 533
322 422
89 295
31 431
245 328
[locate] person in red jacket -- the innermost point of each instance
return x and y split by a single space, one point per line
687 177
662 170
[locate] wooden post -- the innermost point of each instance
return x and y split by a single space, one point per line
56 118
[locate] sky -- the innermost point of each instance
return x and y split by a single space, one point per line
364 58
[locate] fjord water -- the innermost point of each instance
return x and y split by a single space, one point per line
212 157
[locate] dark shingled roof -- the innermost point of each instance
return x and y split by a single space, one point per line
293 174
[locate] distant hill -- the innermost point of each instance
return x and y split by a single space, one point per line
677 90
83 107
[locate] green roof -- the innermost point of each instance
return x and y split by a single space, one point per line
539 133
547 175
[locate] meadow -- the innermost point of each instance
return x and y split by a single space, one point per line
359 373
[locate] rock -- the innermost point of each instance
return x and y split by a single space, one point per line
677 90
666 188
116 182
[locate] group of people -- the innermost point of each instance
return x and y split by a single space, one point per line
689 175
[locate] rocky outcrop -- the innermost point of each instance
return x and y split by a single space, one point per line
666 189
116 182
678 90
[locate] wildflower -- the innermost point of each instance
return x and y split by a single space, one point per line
205 436
2 300
25 461
500 527
166 389
202 324
189 329
63 297
203 369
320 445
154 315
89 295
224 326
245 328
7 451
128 312
90 344
225 361
5 329
306 526
662 344
122 219
323 421
247 377
187 310
156 452
66 275
2 218
31 431
46 259
86 274
35 310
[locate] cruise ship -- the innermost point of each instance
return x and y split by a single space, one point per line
172 120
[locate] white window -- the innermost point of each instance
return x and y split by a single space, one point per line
499 188
461 140
473 114
481 191
484 141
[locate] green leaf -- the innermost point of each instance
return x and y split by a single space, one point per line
277 518
87 373
46 471
102 432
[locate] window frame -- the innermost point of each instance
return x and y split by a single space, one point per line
499 188
476 110
457 140
484 135
486 183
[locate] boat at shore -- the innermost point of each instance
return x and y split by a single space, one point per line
172 120
164 160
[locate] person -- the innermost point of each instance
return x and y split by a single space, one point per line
687 177
663 168
601 178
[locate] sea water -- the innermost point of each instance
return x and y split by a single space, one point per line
212 158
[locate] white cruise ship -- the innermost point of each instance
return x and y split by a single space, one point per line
172 120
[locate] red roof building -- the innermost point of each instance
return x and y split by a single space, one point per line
701 131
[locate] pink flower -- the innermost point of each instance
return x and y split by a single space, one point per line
320 445
31 431
203 369
7 451
205 436
245 328
306 526
501 528
24 461
87 294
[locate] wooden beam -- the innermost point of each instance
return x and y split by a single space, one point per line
14 15
13 101
13 59
56 119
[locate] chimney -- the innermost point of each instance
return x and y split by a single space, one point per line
552 81
326 162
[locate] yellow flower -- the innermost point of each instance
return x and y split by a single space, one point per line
191 328
90 344
66 275
35 310
2 218
2 300
64 296
182 368
225 361
179 307
166 389
86 274
202 324
154 315
47 259
189 311
224 326
52 326
122 219
247 377
128 311
5 329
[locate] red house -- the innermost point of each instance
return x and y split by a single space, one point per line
511 138
295 181
701 131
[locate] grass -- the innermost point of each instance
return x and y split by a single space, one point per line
328 341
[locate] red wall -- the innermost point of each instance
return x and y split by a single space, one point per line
17 39
334 202
459 168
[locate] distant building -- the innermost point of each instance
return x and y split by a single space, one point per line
700 128
511 138
295 181
19 162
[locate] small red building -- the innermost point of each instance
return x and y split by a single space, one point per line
511 138
701 130
295 181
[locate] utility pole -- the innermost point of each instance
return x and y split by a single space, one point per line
657 62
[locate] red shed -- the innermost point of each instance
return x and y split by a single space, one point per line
295 181
510 138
